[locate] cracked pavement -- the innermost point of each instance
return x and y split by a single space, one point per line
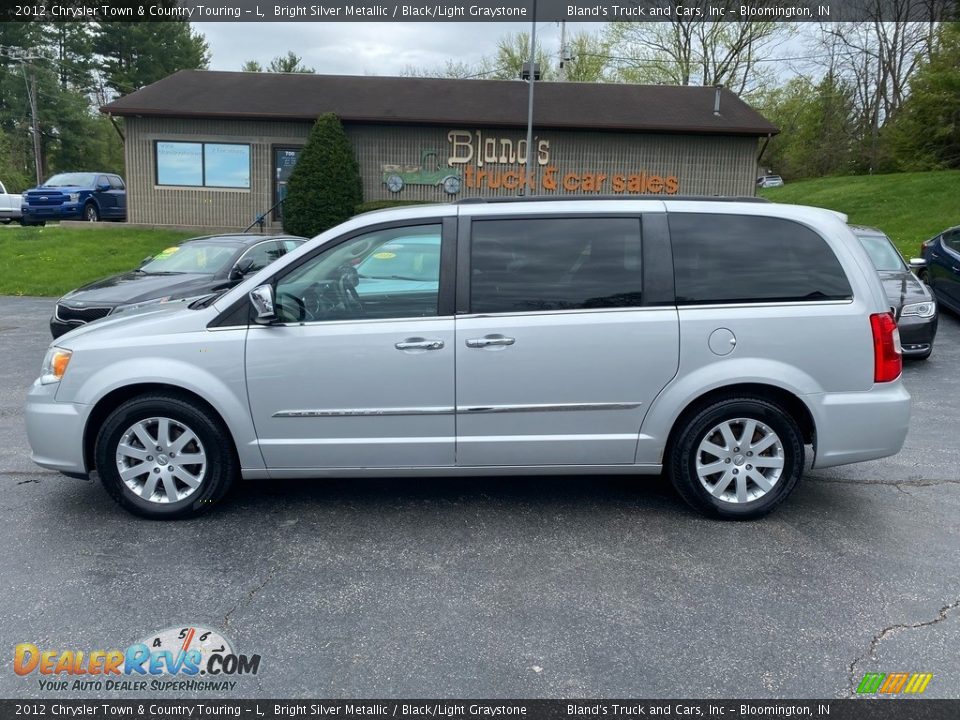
505 587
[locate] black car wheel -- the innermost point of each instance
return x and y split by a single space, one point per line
90 213
736 459
163 457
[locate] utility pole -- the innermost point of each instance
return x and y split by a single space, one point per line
564 55
20 55
532 79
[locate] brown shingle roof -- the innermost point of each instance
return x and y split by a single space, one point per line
440 101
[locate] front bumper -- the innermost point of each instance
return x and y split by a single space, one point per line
72 211
55 430
917 334
857 426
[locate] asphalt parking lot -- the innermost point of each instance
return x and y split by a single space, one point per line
500 588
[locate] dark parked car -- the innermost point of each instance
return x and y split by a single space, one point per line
76 196
192 269
942 271
912 303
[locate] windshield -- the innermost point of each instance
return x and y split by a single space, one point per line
412 258
206 258
71 180
882 253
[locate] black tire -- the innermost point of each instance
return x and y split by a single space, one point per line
90 212
221 469
682 456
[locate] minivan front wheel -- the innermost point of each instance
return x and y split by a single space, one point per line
737 459
161 457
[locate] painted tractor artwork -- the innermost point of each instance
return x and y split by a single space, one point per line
428 172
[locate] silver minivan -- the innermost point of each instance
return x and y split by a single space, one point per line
725 343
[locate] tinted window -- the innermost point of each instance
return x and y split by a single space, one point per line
744 258
952 240
555 264
115 182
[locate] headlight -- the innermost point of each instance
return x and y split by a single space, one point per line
55 365
74 197
923 309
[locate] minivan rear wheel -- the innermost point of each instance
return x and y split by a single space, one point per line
164 458
737 459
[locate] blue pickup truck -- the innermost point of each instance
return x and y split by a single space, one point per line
76 196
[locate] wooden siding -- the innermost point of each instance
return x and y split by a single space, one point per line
703 165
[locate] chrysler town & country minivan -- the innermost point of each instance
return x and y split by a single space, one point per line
722 342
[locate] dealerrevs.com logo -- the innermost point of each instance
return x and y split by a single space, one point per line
188 658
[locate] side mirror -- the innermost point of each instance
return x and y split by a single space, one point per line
241 269
262 299
103 187
917 263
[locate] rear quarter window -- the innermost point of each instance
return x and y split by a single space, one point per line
747 258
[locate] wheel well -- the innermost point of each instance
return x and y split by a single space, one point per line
112 400
784 398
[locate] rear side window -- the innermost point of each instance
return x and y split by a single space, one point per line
744 258
554 264
116 183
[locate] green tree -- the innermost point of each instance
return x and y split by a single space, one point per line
325 184
289 63
589 59
926 133
817 128
137 54
513 55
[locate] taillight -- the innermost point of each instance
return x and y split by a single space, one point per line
887 361
925 244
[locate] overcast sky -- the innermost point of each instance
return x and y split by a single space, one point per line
365 48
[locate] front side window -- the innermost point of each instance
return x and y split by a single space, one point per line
391 273
520 266
194 164
747 258
262 255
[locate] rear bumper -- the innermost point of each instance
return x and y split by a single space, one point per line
11 214
55 430
858 426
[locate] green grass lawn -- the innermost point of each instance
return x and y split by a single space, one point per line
909 207
52 260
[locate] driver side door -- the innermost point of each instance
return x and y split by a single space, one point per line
359 372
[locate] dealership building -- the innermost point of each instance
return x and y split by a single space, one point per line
216 149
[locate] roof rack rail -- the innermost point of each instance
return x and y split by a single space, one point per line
555 198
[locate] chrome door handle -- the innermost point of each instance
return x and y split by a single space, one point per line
490 340
419 344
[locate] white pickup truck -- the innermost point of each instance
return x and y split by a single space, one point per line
9 205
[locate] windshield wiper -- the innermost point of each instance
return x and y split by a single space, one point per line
204 301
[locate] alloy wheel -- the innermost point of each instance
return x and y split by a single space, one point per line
739 460
161 460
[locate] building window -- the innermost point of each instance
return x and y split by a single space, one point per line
190 164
